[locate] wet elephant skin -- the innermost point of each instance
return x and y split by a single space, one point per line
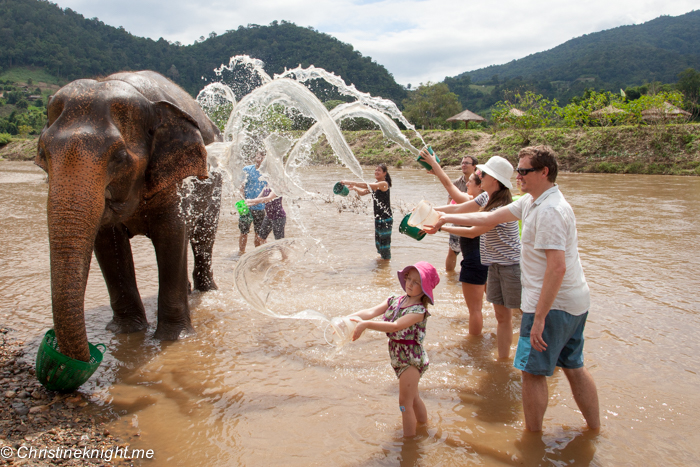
116 152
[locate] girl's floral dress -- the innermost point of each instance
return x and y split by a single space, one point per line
406 346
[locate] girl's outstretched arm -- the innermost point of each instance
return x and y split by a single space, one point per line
468 232
439 172
383 186
373 312
261 199
467 206
386 326
360 191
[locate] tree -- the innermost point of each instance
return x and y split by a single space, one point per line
172 73
525 112
689 85
594 108
430 105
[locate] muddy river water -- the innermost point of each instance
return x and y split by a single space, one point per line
253 390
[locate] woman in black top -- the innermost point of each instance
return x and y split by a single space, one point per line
383 221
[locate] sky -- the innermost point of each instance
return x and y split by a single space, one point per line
417 41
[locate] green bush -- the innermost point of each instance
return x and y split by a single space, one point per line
5 138
607 167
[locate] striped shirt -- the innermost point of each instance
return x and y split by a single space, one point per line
500 245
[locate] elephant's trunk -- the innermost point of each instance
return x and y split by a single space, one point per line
75 208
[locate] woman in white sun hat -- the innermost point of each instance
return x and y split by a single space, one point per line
499 245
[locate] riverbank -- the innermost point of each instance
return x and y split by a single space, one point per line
34 417
653 149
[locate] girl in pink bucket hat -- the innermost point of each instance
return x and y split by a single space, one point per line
404 321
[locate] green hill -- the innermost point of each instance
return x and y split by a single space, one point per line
631 55
610 60
37 33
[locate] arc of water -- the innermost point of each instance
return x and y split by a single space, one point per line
213 91
351 110
273 169
385 106
289 93
257 266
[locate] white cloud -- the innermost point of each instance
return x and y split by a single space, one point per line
417 41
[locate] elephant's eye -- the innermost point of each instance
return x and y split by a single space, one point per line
120 156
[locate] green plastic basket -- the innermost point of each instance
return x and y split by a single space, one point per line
413 232
340 189
59 372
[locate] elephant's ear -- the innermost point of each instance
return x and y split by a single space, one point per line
177 149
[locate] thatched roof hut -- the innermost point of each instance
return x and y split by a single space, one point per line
466 117
516 112
606 111
665 112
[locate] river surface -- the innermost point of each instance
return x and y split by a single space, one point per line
249 389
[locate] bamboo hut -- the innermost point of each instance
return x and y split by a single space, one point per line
666 112
606 112
466 116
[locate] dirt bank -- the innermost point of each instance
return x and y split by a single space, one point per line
22 150
32 417
670 149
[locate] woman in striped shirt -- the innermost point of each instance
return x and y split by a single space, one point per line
499 244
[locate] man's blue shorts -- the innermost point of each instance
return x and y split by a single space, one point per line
563 334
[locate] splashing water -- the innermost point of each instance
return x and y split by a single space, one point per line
259 271
255 103
385 106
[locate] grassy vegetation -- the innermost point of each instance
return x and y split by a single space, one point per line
654 149
485 88
22 75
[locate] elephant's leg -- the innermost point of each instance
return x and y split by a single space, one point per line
204 232
170 242
113 252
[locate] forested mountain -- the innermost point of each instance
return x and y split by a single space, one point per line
654 51
614 59
39 33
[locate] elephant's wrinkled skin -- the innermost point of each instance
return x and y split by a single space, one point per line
116 152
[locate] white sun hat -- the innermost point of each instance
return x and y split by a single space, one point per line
499 168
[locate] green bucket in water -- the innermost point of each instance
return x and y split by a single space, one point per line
413 232
59 372
242 208
340 189
425 164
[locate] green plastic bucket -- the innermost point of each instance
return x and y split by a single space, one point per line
242 208
424 163
59 372
413 232
340 189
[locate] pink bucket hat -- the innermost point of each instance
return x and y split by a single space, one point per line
429 278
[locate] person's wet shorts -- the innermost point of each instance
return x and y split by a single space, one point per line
473 272
273 225
503 287
563 334
253 217
454 244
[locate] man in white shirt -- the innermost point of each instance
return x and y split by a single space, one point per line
555 295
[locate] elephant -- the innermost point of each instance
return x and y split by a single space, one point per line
116 151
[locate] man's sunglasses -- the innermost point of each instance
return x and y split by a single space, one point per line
524 172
